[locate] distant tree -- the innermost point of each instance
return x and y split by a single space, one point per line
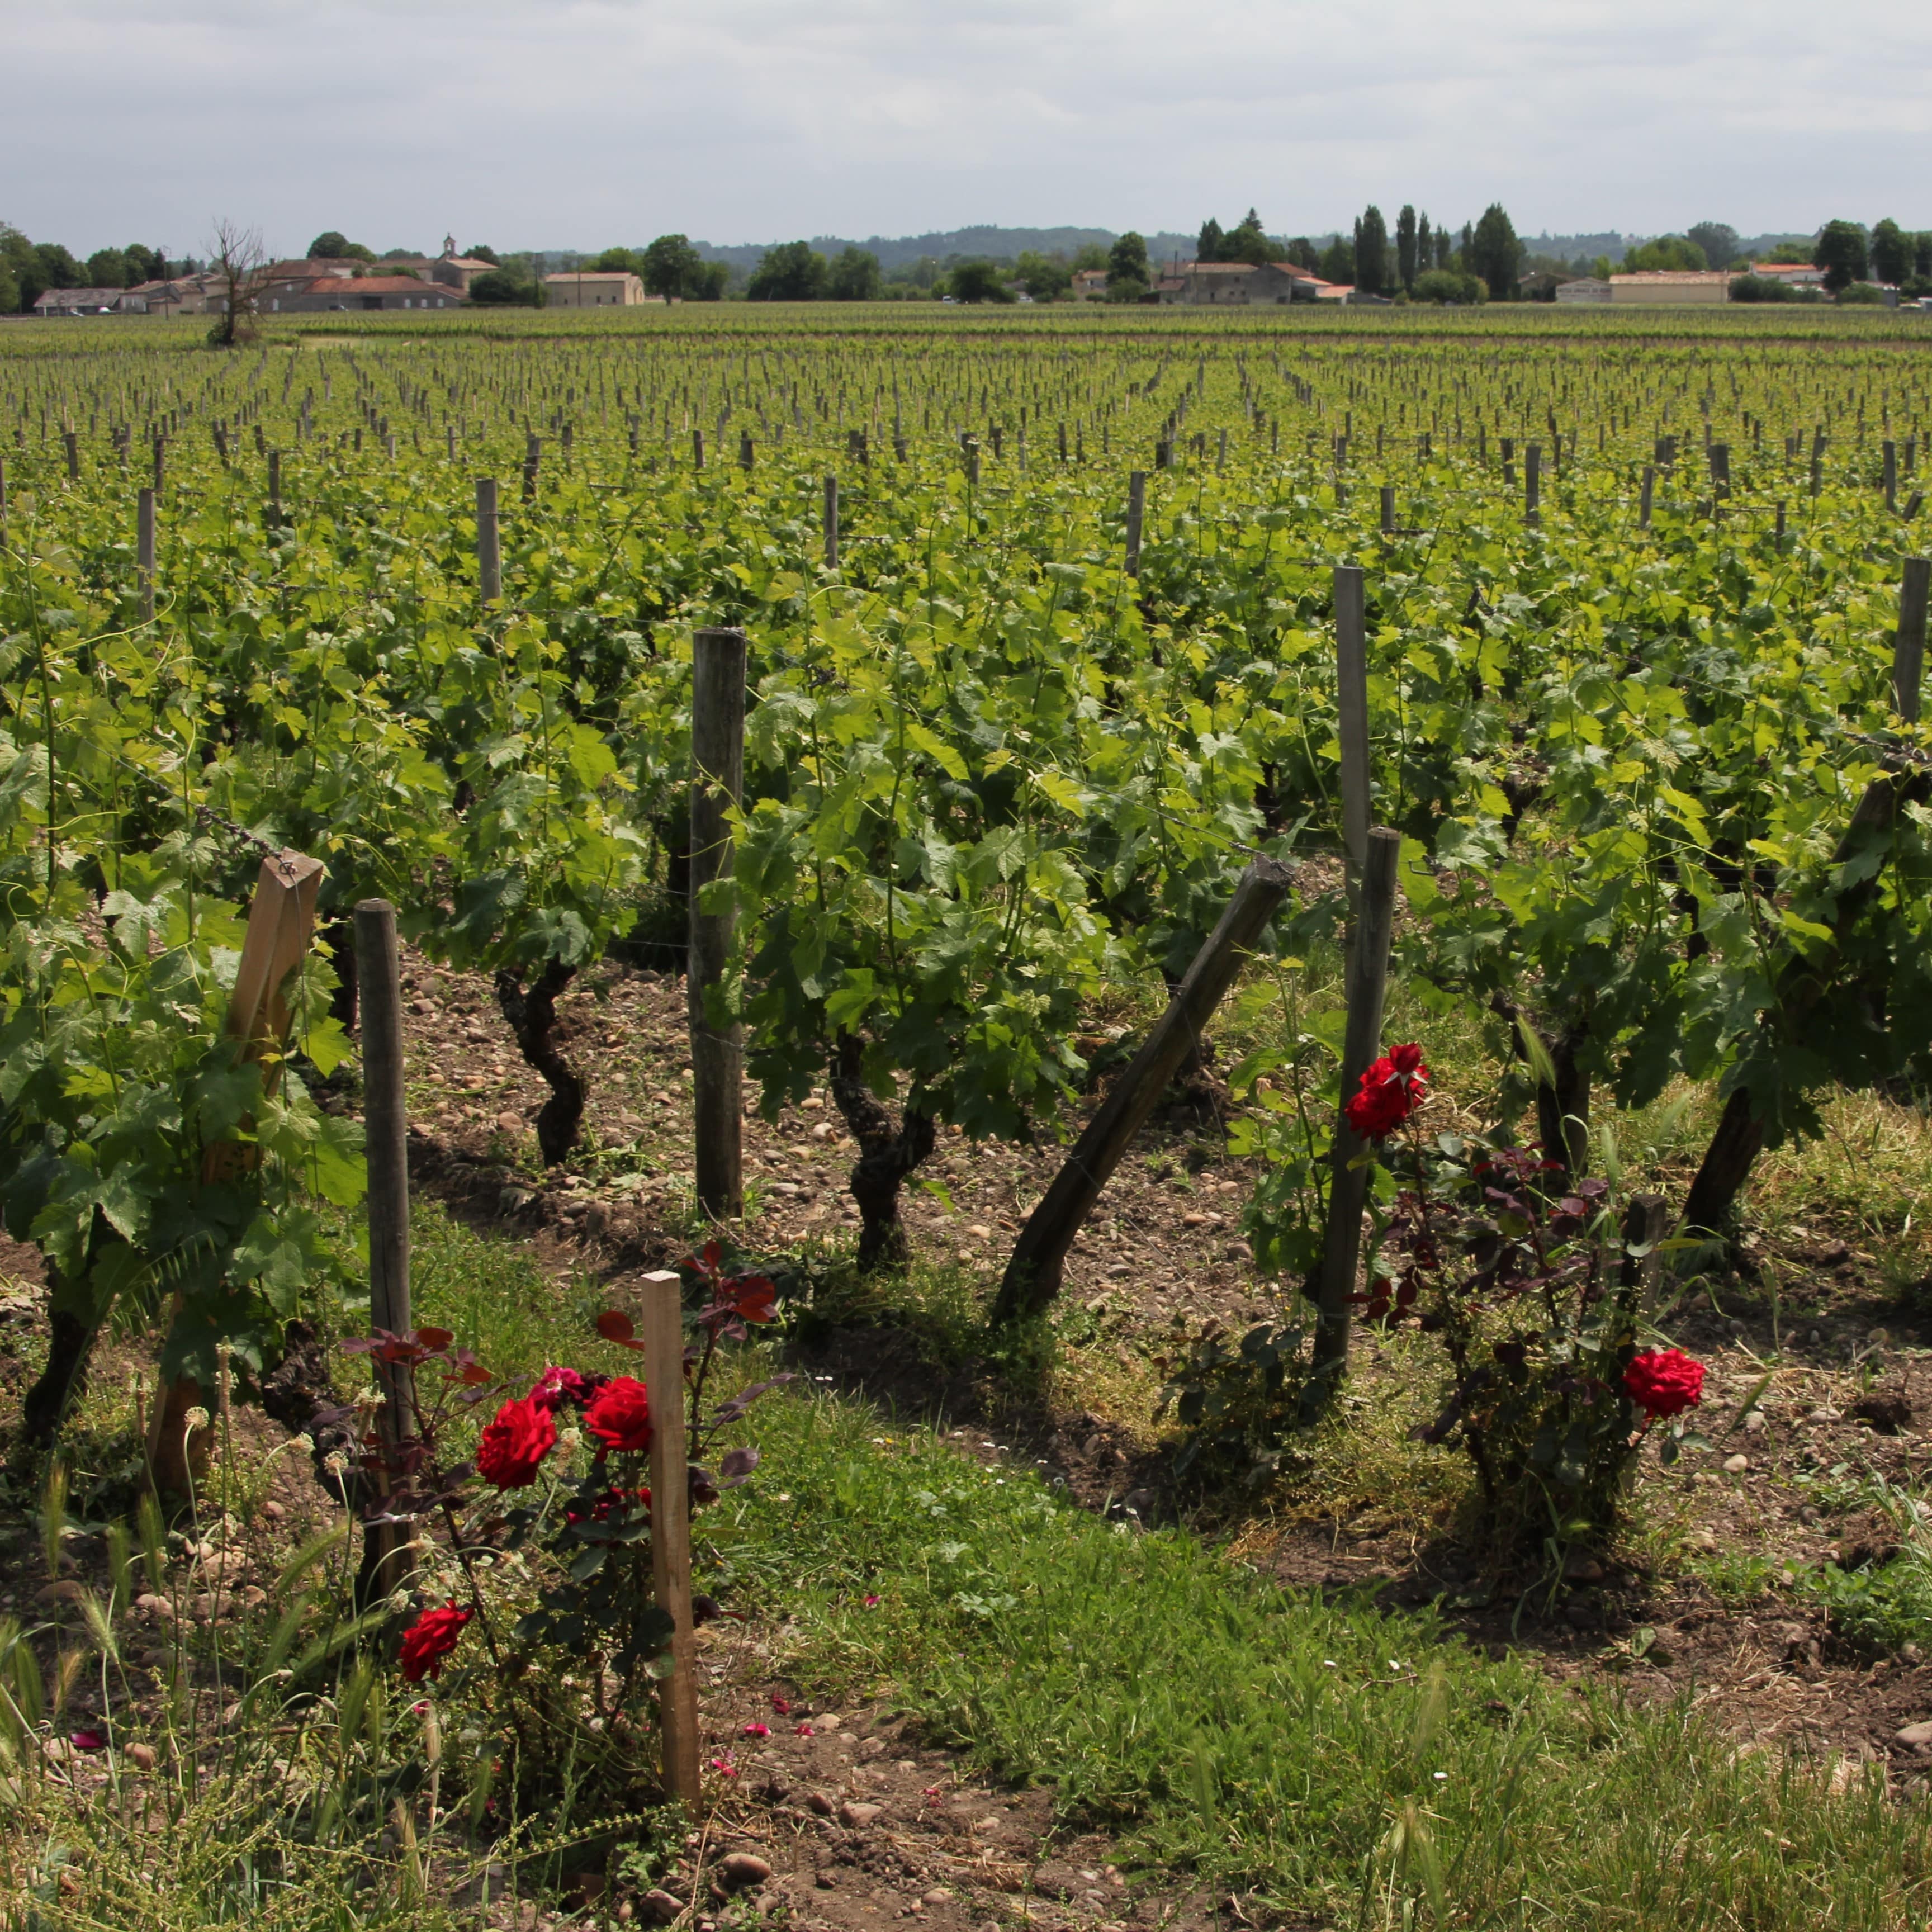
978 282
1089 255
1674 252
1797 253
241 265
1303 254
1405 246
1371 251
1760 289
16 254
1861 295
1045 277
512 286
482 252
144 265
1841 251
1247 241
854 277
52 268
1425 245
1461 257
106 269
709 282
1717 239
1890 252
1601 267
671 267
617 262
1127 261
330 245
1447 286
1208 247
792 272
1494 252
1338 262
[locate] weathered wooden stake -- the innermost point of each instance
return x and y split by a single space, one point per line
1649 493
275 487
831 520
378 992
1388 509
1532 482
1348 1182
1136 515
1038 1258
661 1331
144 552
489 550
1351 709
717 1053
1908 651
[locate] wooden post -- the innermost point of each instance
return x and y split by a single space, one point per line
1388 509
72 439
661 1331
386 1145
1136 515
281 918
1649 492
745 452
1348 1183
1908 650
1352 713
1719 457
717 1054
532 456
1033 1272
144 552
1890 453
1532 482
1646 1222
275 487
697 449
489 550
831 520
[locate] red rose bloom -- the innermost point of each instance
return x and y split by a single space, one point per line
1391 1091
429 1639
523 1433
1664 1382
555 1387
620 1414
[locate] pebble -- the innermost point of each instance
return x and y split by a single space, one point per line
65 1591
142 1757
938 1895
159 1608
979 1231
659 1907
1735 1465
817 1801
858 1815
1913 1735
1753 1423
510 1122
273 1511
742 1870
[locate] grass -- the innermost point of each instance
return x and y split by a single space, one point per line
1325 1758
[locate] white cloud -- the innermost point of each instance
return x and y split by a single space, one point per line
555 122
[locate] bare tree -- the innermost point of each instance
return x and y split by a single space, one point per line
242 264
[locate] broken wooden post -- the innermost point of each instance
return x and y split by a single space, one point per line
386 1150
1033 1272
661 1329
1349 1176
717 1052
1646 1222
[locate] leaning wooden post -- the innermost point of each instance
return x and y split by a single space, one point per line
1136 515
1351 712
1348 1178
489 542
661 1331
144 552
831 521
386 1145
281 919
1908 650
717 1052
1038 1258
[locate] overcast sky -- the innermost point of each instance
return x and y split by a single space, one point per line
580 123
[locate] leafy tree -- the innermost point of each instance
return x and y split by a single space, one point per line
1669 252
482 252
332 245
144 265
618 262
106 269
1494 252
709 281
671 266
978 282
1448 286
1760 289
55 269
1338 262
1717 239
1425 246
854 277
1303 254
1371 251
1208 247
1922 255
1247 242
1861 295
792 272
1890 252
1127 261
1841 251
1089 255
1045 277
1797 253
503 288
1406 245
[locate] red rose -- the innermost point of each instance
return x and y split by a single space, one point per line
1664 1382
555 1387
1391 1091
429 1639
620 1414
523 1433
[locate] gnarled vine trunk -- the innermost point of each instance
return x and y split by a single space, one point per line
62 1381
889 1151
1563 1111
531 1011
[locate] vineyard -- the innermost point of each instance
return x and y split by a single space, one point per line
1057 641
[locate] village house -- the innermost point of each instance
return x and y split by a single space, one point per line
1676 287
66 302
328 294
1238 285
1583 289
1793 274
1090 284
594 288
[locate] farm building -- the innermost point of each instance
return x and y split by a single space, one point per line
1583 289
1239 284
1676 287
594 288
56 302
1090 284
325 294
